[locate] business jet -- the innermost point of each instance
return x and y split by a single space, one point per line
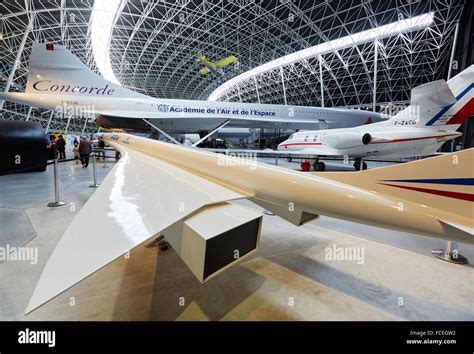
185 194
60 81
437 110
214 67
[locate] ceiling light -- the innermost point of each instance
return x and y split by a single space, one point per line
391 29
102 23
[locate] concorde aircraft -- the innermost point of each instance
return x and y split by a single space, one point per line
184 194
437 110
59 80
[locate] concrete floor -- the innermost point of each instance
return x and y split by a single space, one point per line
288 278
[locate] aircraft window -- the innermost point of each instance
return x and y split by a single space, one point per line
315 138
306 138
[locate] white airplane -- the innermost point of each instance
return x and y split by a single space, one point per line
182 193
437 110
59 80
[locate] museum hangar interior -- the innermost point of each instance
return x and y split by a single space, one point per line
236 160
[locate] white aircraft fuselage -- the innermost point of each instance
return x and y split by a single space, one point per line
58 80
437 110
377 140
187 116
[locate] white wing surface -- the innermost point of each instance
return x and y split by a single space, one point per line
140 197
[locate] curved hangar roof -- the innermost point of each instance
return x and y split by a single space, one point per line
151 46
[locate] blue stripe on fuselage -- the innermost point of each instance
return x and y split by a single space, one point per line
455 181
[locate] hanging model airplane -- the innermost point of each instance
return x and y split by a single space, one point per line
437 110
159 188
216 67
59 80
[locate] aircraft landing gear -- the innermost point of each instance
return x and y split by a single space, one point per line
450 254
358 163
161 243
319 166
164 245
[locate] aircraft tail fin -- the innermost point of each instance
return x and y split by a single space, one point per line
200 56
443 182
462 85
440 103
54 70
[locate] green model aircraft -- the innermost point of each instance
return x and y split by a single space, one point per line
216 67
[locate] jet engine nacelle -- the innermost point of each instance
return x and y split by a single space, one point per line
215 238
347 140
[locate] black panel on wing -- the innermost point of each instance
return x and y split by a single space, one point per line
221 249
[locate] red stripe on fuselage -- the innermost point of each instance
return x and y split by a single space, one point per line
456 195
411 139
463 114
383 142
285 145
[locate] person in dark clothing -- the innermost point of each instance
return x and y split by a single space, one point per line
51 149
117 155
61 146
101 146
84 152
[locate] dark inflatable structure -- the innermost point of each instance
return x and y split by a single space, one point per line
23 147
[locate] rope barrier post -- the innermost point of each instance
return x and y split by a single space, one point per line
105 159
56 202
94 171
